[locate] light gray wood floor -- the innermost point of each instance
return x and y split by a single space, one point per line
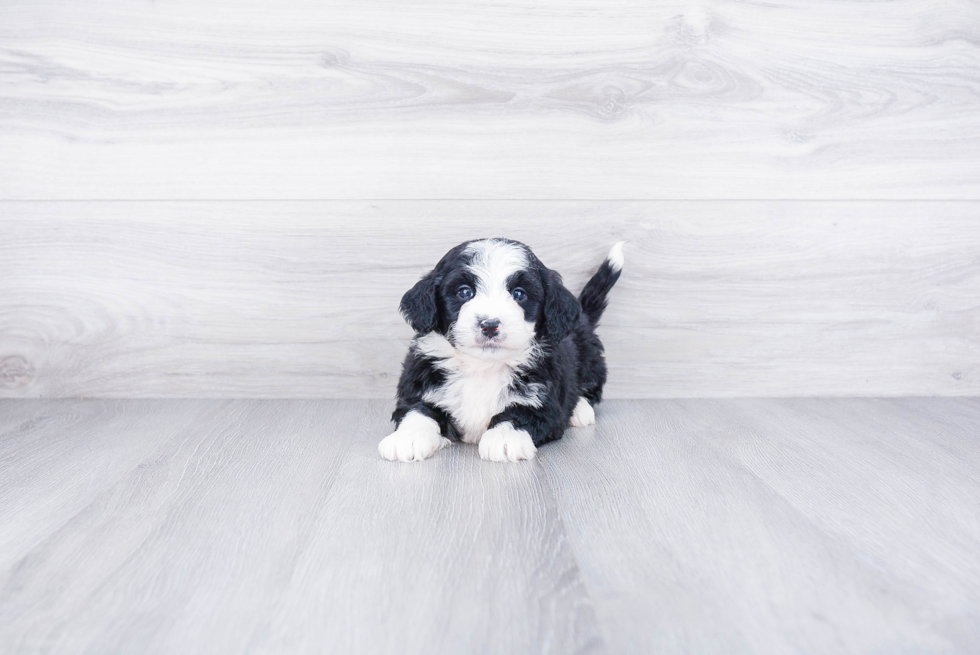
755 526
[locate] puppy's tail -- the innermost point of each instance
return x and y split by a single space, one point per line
593 298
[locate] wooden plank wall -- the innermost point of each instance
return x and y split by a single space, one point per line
228 199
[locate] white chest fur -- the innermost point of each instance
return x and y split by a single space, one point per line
475 389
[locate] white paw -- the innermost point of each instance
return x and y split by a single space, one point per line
583 415
505 443
415 439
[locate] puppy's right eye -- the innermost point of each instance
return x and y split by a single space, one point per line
465 292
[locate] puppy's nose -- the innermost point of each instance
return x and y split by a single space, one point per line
489 327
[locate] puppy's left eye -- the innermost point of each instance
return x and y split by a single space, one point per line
519 294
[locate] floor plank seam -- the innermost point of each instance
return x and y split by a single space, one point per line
552 502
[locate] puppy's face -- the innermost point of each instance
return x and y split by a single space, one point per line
491 299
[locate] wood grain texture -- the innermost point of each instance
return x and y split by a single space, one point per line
457 556
274 527
786 553
905 497
68 455
672 526
292 99
299 299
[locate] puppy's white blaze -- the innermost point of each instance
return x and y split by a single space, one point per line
615 257
492 261
505 443
475 389
416 438
583 414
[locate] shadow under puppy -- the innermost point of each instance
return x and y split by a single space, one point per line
503 356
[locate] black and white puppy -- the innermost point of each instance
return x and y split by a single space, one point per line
503 356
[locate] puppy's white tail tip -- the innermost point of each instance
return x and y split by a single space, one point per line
615 256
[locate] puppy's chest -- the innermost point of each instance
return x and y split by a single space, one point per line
473 394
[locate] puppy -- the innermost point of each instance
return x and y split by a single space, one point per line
504 356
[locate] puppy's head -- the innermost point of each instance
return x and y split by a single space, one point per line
492 299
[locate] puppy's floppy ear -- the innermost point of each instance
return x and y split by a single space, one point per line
561 310
418 305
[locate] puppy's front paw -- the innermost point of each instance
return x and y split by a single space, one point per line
583 415
415 439
505 443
